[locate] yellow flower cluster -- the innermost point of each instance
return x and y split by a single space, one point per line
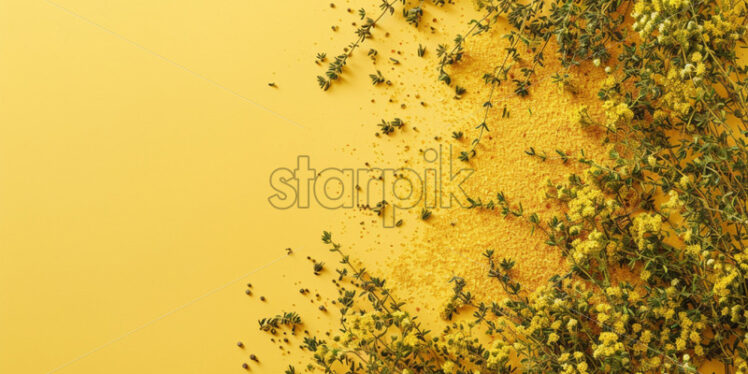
667 21
580 367
363 329
585 249
674 202
361 326
722 286
678 92
449 367
327 353
616 114
498 354
742 366
725 27
609 345
588 198
645 224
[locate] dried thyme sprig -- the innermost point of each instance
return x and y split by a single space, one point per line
335 68
363 32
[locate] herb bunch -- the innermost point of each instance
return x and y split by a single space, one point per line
654 237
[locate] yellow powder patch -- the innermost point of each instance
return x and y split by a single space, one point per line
451 243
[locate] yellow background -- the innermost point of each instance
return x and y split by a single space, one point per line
135 152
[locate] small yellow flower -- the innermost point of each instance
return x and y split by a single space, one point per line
645 274
449 367
695 337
